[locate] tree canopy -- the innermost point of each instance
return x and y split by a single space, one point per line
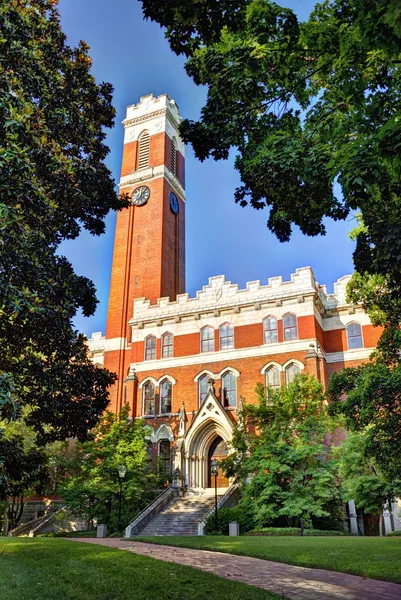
53 183
282 456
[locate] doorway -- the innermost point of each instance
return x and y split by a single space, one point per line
218 451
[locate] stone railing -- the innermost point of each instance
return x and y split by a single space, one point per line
31 527
150 511
224 501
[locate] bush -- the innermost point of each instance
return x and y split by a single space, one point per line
240 513
69 534
394 534
293 531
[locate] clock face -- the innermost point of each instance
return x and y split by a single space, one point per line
140 196
174 203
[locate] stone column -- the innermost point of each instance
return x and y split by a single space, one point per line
131 392
353 517
388 527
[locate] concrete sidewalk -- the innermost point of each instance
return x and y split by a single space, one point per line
297 583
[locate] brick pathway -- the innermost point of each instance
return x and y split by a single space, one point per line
298 583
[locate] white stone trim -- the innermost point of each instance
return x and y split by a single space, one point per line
115 344
269 365
168 377
152 173
344 318
152 379
346 355
163 432
225 370
293 361
202 373
224 355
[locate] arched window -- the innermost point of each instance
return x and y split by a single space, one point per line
166 389
226 336
165 456
270 330
150 347
149 398
149 450
202 387
143 150
167 345
207 339
290 327
354 336
272 378
229 389
174 156
291 372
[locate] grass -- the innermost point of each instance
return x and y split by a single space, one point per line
378 558
49 568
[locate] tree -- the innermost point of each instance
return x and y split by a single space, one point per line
369 397
281 444
22 470
362 480
91 483
53 182
306 105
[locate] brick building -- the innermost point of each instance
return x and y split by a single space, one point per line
184 363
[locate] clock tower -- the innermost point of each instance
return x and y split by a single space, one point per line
149 243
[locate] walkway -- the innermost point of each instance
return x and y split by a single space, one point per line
297 583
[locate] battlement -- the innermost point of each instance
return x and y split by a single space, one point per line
220 294
150 104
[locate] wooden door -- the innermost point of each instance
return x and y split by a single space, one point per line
218 451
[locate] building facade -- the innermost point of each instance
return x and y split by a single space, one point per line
185 364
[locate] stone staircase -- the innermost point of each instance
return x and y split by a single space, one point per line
180 517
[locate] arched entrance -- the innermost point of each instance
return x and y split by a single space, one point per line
218 450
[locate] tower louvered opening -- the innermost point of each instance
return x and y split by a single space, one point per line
143 150
174 156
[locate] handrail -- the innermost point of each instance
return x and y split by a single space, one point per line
221 502
158 502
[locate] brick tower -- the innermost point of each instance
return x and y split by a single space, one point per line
149 243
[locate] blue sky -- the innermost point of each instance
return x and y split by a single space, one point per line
221 237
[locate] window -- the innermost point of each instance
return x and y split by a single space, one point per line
270 329
165 456
165 396
290 327
226 336
272 378
354 336
229 389
149 398
174 156
167 345
207 339
149 450
143 150
202 387
291 372
150 347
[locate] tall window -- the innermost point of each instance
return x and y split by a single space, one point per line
165 396
270 329
150 347
167 345
143 150
202 387
354 336
229 389
174 156
272 378
226 336
290 327
149 398
291 372
207 339
165 456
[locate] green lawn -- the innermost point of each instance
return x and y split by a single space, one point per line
49 569
379 558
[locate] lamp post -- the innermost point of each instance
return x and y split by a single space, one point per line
121 474
214 465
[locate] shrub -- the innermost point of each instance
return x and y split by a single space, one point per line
293 531
240 513
394 534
